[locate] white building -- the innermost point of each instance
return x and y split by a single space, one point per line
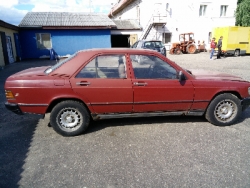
166 19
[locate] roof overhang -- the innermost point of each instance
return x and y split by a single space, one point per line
8 26
77 27
69 27
118 7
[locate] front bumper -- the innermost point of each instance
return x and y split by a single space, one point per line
245 103
14 108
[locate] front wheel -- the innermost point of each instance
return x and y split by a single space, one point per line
224 110
69 118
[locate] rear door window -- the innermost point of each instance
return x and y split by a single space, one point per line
105 66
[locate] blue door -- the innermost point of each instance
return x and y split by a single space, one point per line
18 48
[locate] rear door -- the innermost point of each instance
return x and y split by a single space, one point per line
104 83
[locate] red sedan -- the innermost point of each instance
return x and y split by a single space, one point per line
116 83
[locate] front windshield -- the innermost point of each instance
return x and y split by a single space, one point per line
59 64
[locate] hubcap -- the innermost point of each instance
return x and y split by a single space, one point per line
225 111
69 119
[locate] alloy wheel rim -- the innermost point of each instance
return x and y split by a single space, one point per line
69 119
225 111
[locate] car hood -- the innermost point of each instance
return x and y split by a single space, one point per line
31 72
214 75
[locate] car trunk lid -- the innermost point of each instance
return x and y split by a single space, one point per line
31 72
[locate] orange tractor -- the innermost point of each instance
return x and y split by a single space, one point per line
186 44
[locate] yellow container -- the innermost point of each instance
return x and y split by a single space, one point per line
236 40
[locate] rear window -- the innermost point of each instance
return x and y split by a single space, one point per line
153 44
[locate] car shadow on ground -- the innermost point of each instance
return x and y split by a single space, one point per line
102 124
15 141
16 132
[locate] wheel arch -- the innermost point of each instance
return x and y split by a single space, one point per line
237 50
237 94
54 102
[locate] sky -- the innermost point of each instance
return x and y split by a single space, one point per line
13 11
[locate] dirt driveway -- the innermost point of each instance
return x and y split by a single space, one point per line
139 152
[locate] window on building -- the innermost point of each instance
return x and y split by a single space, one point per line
166 37
138 12
203 10
43 41
167 6
209 36
223 10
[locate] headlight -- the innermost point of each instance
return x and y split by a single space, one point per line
9 94
249 91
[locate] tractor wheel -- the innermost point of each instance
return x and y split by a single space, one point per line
178 52
171 51
191 49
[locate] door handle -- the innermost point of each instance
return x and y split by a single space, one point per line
140 83
82 83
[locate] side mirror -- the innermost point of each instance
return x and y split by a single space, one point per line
181 76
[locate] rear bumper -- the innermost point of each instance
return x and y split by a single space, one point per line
14 108
245 103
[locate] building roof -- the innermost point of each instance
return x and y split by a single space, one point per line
7 25
66 19
119 6
127 24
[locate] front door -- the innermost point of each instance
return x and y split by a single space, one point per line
156 87
104 85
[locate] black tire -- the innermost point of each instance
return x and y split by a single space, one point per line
191 49
69 118
178 52
224 110
237 53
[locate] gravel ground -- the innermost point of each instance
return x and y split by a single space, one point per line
139 152
239 66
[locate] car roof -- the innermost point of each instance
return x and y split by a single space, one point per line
113 50
85 55
151 40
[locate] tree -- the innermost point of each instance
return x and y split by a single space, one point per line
243 13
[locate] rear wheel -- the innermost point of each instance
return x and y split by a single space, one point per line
236 53
178 51
191 48
171 51
224 110
69 118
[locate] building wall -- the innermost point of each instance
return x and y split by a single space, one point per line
185 17
64 42
8 32
182 16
